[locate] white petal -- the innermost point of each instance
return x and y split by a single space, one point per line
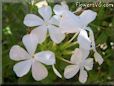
91 36
56 35
54 20
32 20
84 40
70 71
87 17
56 72
30 41
89 64
98 58
59 9
22 68
40 32
77 56
45 12
17 53
85 53
83 76
58 18
70 23
46 57
39 71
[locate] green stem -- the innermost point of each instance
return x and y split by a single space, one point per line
65 60
67 52
73 37
54 44
72 44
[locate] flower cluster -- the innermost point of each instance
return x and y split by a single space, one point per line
63 21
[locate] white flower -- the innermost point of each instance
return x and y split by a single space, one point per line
97 56
47 23
87 42
30 60
71 23
81 63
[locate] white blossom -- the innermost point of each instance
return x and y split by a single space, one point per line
80 63
48 23
30 60
71 23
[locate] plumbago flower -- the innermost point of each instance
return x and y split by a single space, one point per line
71 23
31 60
76 24
80 62
47 23
79 59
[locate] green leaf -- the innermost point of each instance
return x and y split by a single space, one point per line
102 38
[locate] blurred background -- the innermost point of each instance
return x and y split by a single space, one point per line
13 30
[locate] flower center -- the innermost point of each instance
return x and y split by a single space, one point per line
32 56
46 23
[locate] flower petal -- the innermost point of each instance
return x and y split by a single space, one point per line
85 53
84 40
46 57
31 20
56 35
79 55
98 58
54 20
59 9
22 68
58 18
56 72
39 71
76 57
89 64
83 76
91 36
70 71
70 23
87 17
17 53
30 41
40 32
45 12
